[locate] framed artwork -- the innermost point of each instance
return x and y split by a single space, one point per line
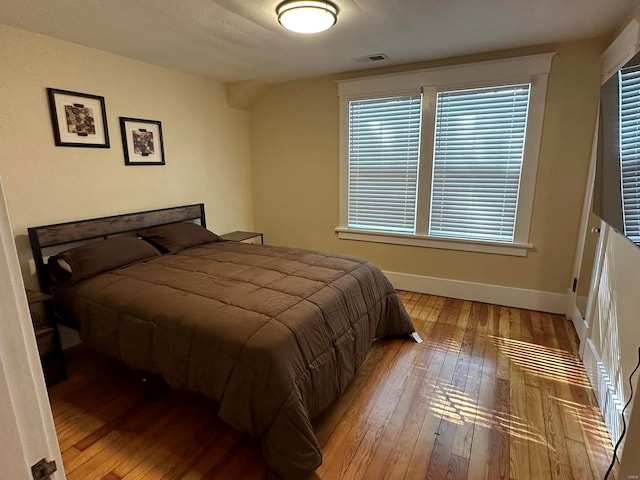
142 141
78 119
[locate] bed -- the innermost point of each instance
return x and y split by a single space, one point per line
272 334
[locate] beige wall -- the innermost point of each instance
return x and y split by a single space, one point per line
294 143
206 143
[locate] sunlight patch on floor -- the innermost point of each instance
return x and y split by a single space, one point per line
544 362
456 407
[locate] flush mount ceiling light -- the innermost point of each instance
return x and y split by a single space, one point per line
307 16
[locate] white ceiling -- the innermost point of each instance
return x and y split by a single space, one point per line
233 40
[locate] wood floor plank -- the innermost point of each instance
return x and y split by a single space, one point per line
469 401
572 383
580 465
526 337
539 464
453 395
206 458
439 374
500 433
426 373
141 448
170 446
354 425
125 440
499 437
328 421
504 328
344 443
596 441
552 377
492 392
519 426
359 458
391 455
480 456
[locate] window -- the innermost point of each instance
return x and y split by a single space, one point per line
477 161
446 158
384 148
629 81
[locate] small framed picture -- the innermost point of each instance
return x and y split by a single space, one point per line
78 119
142 141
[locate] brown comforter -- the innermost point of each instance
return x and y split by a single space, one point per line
272 334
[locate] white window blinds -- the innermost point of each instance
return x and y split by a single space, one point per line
477 162
630 151
384 147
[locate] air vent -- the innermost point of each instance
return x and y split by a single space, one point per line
374 57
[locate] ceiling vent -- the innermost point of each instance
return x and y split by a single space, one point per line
374 57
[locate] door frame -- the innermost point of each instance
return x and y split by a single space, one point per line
581 323
25 413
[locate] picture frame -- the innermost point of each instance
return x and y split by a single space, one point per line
142 141
78 119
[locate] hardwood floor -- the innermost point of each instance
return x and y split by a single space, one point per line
493 392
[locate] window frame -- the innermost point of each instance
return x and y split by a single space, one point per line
630 229
359 165
533 69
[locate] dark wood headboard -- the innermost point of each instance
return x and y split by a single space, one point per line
48 236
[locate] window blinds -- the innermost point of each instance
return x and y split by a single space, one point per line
630 151
384 147
477 162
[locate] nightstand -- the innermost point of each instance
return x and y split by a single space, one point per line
239 236
47 338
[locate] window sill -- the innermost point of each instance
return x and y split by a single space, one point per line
513 249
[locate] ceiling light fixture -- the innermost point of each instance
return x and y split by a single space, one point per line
307 16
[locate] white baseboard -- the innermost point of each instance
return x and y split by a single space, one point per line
481 292
603 390
579 323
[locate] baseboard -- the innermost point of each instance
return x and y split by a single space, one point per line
579 323
603 390
481 292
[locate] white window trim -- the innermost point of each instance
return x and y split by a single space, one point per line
532 68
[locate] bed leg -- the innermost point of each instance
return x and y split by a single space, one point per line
416 337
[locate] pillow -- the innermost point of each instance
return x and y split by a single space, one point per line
89 260
178 236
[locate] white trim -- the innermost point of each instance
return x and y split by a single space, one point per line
621 50
514 249
532 68
25 414
343 138
427 149
480 292
598 262
580 320
579 323
514 69
531 155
